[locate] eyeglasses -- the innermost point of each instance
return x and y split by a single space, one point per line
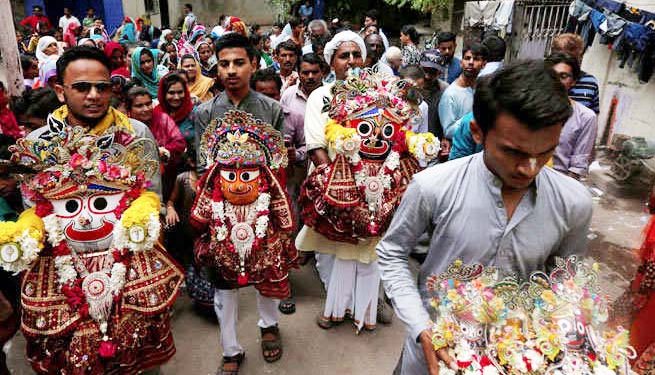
85 86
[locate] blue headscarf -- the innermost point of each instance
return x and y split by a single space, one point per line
150 81
129 31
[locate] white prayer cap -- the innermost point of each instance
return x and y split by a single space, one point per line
394 53
344 36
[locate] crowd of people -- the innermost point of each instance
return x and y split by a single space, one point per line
174 83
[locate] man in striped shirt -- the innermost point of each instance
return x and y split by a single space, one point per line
585 91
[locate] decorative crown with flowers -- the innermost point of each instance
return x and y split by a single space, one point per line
71 161
238 138
520 321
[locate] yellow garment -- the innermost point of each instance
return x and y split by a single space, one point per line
113 117
200 88
364 251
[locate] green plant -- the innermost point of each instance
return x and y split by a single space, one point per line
422 5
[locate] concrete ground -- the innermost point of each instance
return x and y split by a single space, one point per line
615 233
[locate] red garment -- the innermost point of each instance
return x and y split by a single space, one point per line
642 335
32 21
163 106
8 124
69 34
167 134
110 47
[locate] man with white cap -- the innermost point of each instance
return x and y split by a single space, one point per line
345 51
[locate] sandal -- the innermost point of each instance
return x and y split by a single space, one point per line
323 322
271 345
287 306
235 359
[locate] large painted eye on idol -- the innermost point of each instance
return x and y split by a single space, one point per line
564 325
104 203
580 327
247 176
388 131
72 206
364 128
229 176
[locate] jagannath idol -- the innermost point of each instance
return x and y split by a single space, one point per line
97 288
348 202
550 324
245 216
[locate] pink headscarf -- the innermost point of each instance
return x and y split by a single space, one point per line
69 34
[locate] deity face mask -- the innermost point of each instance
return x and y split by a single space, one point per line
377 133
87 220
572 331
240 186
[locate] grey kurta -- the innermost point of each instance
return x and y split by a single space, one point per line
459 204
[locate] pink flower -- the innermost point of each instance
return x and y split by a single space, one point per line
114 172
102 166
107 349
77 160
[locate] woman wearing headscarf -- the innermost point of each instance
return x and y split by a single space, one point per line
70 34
146 68
47 74
46 49
207 58
175 100
116 54
128 31
199 85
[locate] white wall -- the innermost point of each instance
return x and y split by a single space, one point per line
137 8
635 115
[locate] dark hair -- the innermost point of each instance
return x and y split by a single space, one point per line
79 53
411 32
446 36
311 58
187 56
527 90
166 45
477 49
294 21
90 8
26 61
265 75
188 5
97 19
561 58
288 45
412 72
279 25
255 39
133 93
372 14
496 46
36 103
39 7
235 40
221 18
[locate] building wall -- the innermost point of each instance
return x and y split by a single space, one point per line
635 114
137 8
208 11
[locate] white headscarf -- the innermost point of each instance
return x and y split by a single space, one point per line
44 42
344 36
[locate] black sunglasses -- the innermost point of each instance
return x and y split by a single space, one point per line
85 86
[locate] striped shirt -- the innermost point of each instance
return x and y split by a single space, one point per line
586 92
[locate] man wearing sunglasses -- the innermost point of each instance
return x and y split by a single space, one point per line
84 86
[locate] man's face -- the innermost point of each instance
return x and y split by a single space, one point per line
431 76
268 88
276 30
142 108
147 64
347 56
514 153
189 66
374 47
317 32
565 74
67 12
447 50
368 21
187 10
472 64
298 30
310 77
37 12
175 95
287 60
235 68
172 52
97 23
90 12
86 90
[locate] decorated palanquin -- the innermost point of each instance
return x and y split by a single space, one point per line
97 288
550 324
242 207
374 155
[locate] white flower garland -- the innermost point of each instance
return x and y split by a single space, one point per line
391 163
261 222
16 257
125 239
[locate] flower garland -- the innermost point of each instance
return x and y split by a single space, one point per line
72 275
20 242
242 238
